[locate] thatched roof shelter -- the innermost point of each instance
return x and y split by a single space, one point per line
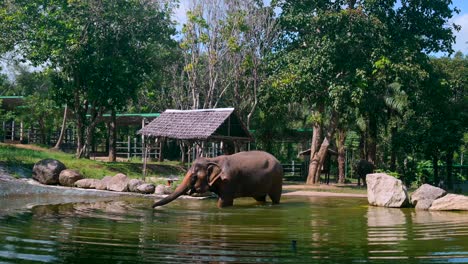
198 125
11 102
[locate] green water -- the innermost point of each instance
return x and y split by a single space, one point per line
300 230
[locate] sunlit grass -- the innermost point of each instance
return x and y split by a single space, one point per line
20 161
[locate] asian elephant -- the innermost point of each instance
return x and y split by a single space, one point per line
363 167
245 174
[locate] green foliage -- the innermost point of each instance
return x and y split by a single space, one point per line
103 50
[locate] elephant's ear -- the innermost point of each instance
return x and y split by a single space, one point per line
214 173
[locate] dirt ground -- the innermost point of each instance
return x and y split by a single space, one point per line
324 190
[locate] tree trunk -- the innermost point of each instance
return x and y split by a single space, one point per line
341 155
393 154
318 157
321 155
313 150
79 137
182 151
435 167
43 132
62 130
113 137
449 163
162 143
372 142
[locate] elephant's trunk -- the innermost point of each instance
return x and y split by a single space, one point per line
181 189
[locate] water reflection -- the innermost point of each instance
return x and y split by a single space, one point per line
301 230
408 234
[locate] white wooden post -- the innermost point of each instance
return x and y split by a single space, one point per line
129 147
21 131
13 130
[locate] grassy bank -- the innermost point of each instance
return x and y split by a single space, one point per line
20 159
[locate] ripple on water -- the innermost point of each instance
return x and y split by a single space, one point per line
300 230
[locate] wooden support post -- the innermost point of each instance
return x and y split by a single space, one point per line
129 147
13 131
21 131
135 148
145 159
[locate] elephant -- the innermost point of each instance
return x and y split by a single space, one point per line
363 167
244 174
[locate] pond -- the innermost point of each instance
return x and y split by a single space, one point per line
300 230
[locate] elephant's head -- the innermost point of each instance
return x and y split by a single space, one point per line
203 174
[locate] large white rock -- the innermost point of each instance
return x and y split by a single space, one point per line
118 183
450 202
423 197
385 190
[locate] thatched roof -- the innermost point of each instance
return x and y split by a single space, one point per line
204 124
11 102
134 119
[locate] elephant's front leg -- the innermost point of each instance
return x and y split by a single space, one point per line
225 202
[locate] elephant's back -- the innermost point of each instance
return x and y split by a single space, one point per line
257 160
258 165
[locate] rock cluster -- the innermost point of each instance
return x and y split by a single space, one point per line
387 191
425 195
50 171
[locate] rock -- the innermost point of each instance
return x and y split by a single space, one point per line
118 183
133 184
69 177
87 183
47 171
102 184
162 189
145 188
385 190
423 197
450 202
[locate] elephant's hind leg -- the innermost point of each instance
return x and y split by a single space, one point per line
275 196
276 190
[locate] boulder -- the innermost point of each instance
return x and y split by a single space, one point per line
145 188
118 183
47 171
450 202
69 177
385 190
133 184
87 183
162 189
423 197
102 184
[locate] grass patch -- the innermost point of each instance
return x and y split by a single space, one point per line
19 160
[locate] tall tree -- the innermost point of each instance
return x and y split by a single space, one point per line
104 49
330 49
